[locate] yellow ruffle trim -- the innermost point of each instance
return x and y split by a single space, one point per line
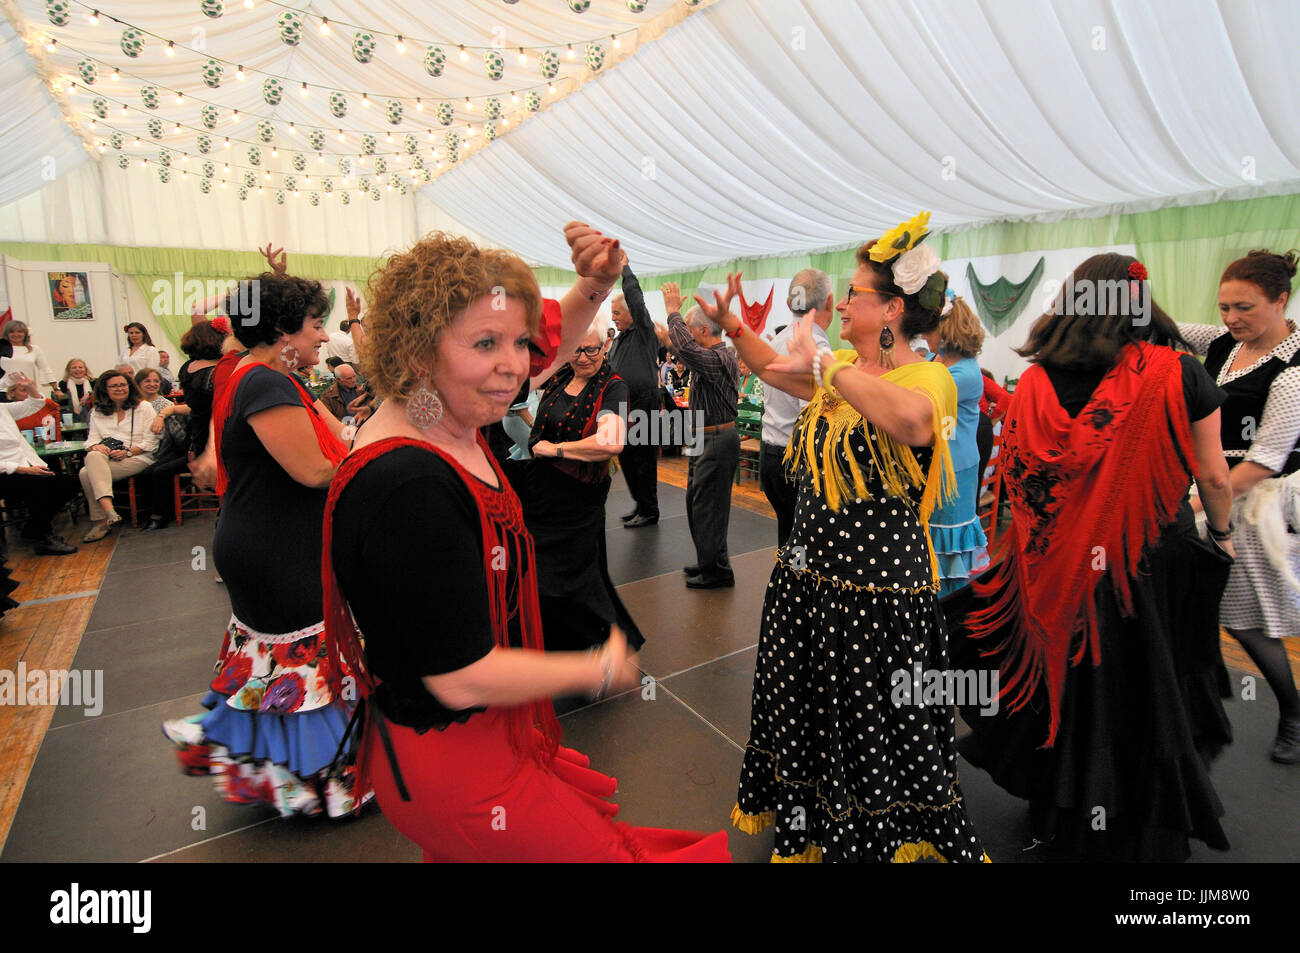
752 823
811 855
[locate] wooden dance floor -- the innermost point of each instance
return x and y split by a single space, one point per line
108 787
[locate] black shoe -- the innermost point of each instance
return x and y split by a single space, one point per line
630 516
53 546
1286 749
639 521
701 582
691 570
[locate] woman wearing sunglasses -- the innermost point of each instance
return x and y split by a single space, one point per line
580 424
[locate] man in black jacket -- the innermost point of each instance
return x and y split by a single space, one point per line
632 356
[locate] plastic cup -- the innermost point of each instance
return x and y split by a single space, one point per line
67 420
30 437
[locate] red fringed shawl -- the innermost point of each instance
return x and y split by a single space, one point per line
534 729
1087 495
331 446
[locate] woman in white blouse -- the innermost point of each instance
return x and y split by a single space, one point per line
124 419
27 358
139 351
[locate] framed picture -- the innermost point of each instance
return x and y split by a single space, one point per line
70 295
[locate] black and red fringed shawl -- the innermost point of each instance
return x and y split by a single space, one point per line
534 729
1087 495
578 423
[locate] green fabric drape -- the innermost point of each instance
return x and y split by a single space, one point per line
1000 302
1184 248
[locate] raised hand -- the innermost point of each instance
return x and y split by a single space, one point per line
720 311
672 296
269 253
594 256
353 301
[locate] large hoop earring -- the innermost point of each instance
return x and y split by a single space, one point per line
289 357
424 407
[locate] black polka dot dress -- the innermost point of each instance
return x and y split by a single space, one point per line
841 771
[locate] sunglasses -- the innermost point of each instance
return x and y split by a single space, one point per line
590 350
854 289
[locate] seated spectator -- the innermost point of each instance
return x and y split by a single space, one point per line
164 368
78 389
343 392
172 455
25 478
46 413
121 444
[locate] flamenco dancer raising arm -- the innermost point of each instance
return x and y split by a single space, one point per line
868 319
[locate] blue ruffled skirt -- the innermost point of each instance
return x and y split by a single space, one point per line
958 539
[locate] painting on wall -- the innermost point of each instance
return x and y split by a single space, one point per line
70 295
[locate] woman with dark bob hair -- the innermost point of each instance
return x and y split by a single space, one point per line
120 444
1255 358
428 556
840 768
1100 608
276 713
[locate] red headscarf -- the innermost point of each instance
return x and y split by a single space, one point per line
1087 494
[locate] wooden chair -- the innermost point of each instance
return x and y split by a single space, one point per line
751 458
190 499
124 493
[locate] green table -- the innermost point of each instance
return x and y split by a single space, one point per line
76 428
58 452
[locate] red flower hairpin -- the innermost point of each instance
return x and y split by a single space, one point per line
1137 271
221 324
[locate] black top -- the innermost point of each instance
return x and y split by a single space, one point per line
1246 397
1074 387
635 352
408 555
198 389
268 537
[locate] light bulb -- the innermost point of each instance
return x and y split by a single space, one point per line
514 97
463 55
227 142
523 57
570 53
223 182
123 109
275 153
94 18
176 128
101 147
303 90
51 45
365 100
419 105
325 25
180 98
618 44
137 142
401 47
171 48
469 105
552 89
389 137
113 76
239 73
341 136
320 157
292 129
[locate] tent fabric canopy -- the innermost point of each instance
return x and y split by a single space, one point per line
736 130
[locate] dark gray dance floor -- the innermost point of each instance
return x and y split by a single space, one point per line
108 788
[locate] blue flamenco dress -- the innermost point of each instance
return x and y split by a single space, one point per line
955 531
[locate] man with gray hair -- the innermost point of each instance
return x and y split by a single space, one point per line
810 292
715 379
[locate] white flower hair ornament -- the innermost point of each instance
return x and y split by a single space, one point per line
913 268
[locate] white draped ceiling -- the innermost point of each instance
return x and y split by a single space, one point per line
739 128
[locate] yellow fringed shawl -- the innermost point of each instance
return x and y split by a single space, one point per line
894 461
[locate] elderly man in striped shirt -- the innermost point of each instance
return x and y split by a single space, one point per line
715 378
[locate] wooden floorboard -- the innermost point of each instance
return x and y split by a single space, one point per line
44 637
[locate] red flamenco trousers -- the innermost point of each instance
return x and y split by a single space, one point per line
475 800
